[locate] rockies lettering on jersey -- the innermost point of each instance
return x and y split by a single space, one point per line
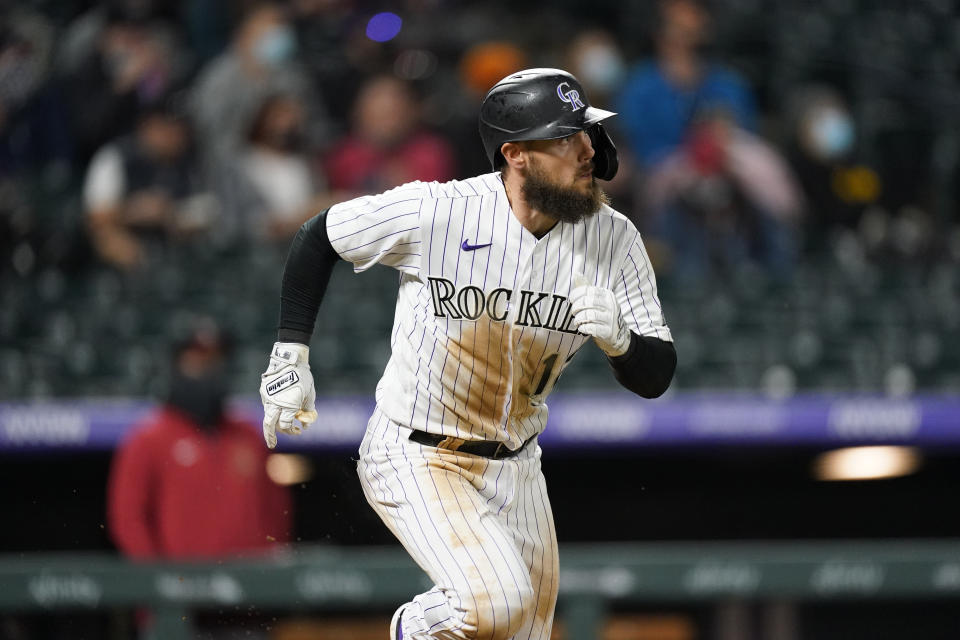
471 302
482 327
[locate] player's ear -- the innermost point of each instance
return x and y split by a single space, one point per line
513 154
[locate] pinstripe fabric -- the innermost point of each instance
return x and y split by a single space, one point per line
482 330
485 377
481 529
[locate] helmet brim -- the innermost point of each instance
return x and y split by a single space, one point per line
594 115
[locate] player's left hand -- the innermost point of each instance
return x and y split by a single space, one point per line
597 314
287 391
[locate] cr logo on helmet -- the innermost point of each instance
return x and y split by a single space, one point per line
570 95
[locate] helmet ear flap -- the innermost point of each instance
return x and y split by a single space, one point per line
605 161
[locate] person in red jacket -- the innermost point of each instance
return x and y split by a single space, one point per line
190 481
388 144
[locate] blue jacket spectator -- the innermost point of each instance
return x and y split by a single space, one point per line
655 112
660 98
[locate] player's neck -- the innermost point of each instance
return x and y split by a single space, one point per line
534 221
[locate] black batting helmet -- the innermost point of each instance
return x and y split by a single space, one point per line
544 104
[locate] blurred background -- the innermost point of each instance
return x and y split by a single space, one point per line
791 164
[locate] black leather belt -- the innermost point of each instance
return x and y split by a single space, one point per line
484 448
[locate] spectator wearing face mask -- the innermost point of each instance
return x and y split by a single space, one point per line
190 482
595 58
822 153
269 189
142 195
231 88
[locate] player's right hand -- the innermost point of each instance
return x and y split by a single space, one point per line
287 393
597 314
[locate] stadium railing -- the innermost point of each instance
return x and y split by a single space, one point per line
593 578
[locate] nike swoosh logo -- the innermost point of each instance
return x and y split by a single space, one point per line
466 246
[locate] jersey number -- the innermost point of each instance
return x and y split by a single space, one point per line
547 373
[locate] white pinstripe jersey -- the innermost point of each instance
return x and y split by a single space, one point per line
482 328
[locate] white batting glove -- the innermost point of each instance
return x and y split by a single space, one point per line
287 393
597 314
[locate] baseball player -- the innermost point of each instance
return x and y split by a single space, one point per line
503 277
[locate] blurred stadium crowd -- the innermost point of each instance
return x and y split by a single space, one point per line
792 165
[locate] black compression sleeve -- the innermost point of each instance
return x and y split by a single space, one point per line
305 277
647 367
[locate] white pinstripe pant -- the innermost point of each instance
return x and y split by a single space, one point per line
481 529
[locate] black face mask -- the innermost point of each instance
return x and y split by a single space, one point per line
290 141
202 398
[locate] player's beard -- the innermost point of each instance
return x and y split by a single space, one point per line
560 202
